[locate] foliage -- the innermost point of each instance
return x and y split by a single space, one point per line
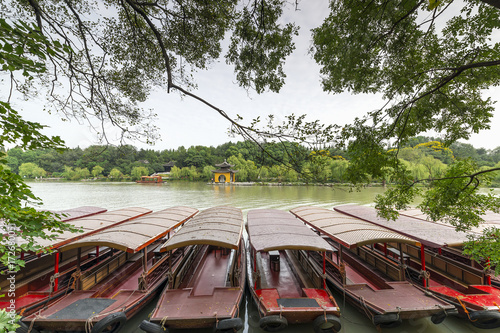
23 49
97 171
138 172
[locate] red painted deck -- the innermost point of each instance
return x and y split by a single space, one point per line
491 297
23 301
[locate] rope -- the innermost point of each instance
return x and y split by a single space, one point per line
465 309
89 323
424 274
365 308
163 321
498 306
33 320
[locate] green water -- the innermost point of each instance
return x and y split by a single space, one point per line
201 196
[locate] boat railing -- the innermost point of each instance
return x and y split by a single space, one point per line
312 275
185 266
93 276
447 266
389 268
230 269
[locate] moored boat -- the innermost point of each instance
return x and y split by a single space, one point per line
283 285
105 296
208 288
150 180
465 286
373 282
47 276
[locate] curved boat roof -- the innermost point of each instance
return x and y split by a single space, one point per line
66 215
272 229
219 226
75 213
132 236
426 232
491 219
349 231
91 225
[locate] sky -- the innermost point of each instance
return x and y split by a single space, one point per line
187 122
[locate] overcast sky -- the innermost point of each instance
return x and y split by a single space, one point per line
186 122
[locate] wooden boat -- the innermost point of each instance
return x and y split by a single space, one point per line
283 284
465 286
491 220
207 289
105 296
150 180
46 277
370 281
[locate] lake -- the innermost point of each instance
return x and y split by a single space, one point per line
201 196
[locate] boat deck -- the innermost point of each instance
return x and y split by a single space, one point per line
284 281
402 295
282 289
182 304
211 275
205 294
82 304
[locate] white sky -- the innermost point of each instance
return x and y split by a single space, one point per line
186 122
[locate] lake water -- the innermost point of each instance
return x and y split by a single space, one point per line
201 196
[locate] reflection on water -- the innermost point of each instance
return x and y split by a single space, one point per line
201 196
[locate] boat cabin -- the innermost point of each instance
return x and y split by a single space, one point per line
150 180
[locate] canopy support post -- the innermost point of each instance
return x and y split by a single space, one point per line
145 259
78 258
402 263
422 261
97 253
324 270
488 277
56 272
385 249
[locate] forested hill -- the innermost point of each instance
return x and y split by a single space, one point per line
425 157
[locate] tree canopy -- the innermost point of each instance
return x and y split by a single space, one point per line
430 60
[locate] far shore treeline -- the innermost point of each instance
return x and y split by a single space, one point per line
425 157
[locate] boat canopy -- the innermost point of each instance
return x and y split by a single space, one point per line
349 231
219 226
134 235
428 233
75 213
65 215
91 225
271 229
491 219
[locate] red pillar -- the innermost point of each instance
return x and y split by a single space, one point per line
488 277
422 260
440 251
385 249
97 253
56 271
